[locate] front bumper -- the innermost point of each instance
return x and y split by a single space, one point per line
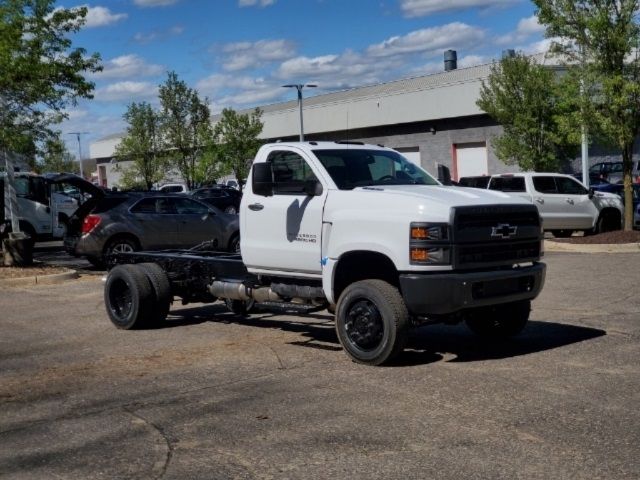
444 293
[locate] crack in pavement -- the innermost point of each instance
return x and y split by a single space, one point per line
159 467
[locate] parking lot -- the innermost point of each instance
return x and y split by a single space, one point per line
212 395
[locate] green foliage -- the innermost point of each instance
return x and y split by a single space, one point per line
599 41
186 127
56 158
524 97
237 141
40 72
142 145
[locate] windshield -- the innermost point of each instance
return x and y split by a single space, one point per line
361 168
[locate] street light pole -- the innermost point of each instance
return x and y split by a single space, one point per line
77 134
299 87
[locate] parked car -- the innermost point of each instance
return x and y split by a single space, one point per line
124 222
173 188
564 203
474 182
612 172
225 198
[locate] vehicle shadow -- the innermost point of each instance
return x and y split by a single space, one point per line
426 344
466 347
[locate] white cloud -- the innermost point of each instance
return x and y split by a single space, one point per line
526 28
102 16
421 8
158 34
128 66
243 55
127 90
155 3
541 46
454 35
253 3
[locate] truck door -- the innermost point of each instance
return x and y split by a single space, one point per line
582 210
33 203
283 232
555 210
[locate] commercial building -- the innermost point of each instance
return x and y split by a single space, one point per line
432 119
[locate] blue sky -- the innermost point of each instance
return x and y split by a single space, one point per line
239 53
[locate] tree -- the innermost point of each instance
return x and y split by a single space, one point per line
599 42
186 127
523 96
142 145
237 140
40 72
56 158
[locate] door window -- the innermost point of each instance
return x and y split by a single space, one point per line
545 184
185 206
507 184
568 186
290 172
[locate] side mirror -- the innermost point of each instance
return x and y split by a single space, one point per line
592 192
262 179
312 188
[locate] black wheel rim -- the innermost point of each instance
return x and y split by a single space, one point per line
364 325
120 299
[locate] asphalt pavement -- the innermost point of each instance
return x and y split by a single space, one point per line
211 395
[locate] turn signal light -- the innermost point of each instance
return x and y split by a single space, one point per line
419 233
419 254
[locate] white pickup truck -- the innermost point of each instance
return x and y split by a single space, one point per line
361 231
565 204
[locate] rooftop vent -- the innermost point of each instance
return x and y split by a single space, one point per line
450 60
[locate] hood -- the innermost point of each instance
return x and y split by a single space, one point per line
395 204
76 181
447 195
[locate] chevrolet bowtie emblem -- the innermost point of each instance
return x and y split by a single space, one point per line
503 230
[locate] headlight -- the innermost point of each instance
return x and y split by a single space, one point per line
429 244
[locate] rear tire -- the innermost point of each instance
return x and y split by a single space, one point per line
119 244
128 297
372 321
499 321
161 289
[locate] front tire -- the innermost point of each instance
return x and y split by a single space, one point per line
372 321
499 321
128 297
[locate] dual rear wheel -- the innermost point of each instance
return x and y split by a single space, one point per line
137 296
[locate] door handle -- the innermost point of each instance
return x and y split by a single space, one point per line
540 200
256 207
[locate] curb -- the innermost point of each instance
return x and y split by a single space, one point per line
551 246
40 279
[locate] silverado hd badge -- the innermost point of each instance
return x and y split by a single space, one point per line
503 230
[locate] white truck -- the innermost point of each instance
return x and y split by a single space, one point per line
565 204
361 231
43 206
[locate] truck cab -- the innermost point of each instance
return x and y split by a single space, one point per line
338 213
